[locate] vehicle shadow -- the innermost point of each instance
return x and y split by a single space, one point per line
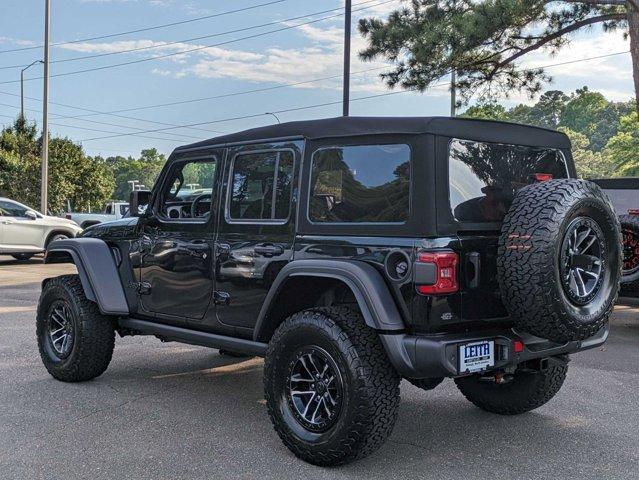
9 261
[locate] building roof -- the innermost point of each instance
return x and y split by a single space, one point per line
472 129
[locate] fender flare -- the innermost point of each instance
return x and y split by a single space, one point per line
97 270
369 288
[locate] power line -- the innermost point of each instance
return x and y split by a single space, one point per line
249 116
146 29
227 95
158 57
187 40
98 112
97 122
286 110
88 129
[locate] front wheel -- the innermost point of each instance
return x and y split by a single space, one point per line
75 340
525 390
331 392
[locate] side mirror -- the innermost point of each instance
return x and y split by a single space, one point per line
138 202
31 215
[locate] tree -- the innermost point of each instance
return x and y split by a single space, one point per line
590 164
590 113
547 112
145 170
486 111
482 41
623 148
73 177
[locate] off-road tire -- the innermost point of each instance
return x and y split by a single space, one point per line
371 385
527 391
426 384
630 223
531 246
94 334
22 257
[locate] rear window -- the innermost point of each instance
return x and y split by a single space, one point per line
362 183
485 176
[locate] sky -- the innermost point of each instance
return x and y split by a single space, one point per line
222 74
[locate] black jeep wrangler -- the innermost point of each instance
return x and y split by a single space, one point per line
352 253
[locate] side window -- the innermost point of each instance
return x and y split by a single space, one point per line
108 209
188 192
260 187
364 183
10 209
484 177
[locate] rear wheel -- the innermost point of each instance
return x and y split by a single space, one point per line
76 342
57 236
22 257
331 392
521 392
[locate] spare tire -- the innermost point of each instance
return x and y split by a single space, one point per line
559 261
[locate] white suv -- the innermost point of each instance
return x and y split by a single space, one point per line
25 232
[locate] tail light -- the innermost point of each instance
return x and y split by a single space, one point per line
543 177
444 275
633 211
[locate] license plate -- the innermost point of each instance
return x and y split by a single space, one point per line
476 356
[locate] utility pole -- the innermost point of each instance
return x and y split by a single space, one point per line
347 57
22 87
45 112
453 94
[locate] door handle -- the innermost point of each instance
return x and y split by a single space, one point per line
269 250
222 251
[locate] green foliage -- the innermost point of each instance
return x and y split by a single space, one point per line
624 146
145 170
589 164
73 176
486 111
480 40
604 135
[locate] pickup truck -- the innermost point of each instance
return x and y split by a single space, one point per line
111 211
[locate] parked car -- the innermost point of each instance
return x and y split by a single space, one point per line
25 232
624 194
111 211
416 248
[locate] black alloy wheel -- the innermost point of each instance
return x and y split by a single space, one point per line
582 260
60 329
315 389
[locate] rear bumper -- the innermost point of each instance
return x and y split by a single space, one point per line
429 356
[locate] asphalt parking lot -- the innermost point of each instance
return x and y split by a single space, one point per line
176 411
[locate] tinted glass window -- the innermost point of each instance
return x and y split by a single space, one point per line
188 191
261 186
485 176
10 209
366 183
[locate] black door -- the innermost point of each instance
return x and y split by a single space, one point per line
256 228
177 241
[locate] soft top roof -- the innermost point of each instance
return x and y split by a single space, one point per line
471 129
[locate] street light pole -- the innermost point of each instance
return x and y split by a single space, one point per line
347 57
22 86
45 112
